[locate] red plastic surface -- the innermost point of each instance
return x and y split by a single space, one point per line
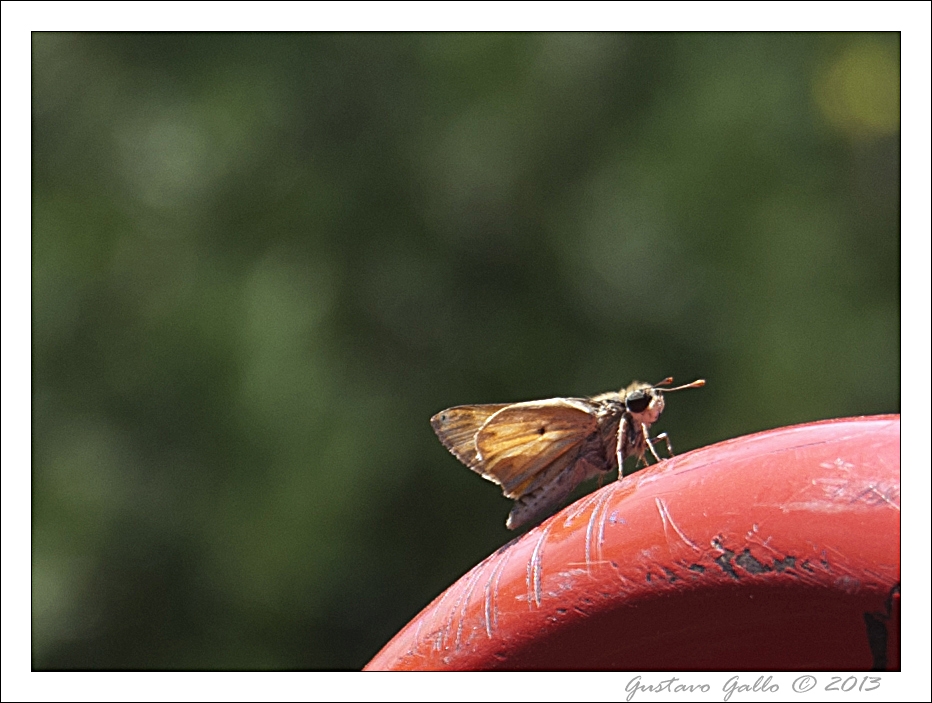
774 551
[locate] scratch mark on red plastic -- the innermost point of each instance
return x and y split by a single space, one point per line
600 503
491 594
883 496
460 589
667 518
438 633
605 516
474 579
581 507
534 567
417 636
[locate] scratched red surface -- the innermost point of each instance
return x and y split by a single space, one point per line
774 551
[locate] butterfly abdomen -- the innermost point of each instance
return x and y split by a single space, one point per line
544 500
538 504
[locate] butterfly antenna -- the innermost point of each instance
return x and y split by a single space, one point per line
698 383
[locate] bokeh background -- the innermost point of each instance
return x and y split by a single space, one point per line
261 262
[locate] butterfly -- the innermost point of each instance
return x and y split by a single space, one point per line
540 450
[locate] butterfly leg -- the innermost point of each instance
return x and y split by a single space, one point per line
665 438
649 442
620 446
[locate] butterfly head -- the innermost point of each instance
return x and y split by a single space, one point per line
645 402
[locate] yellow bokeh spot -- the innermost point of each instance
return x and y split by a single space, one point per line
859 92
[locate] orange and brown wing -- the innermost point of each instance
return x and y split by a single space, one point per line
457 428
526 445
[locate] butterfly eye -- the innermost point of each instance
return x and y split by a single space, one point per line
636 402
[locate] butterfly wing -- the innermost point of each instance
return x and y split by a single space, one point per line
457 428
527 445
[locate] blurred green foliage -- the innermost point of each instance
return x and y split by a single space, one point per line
261 262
